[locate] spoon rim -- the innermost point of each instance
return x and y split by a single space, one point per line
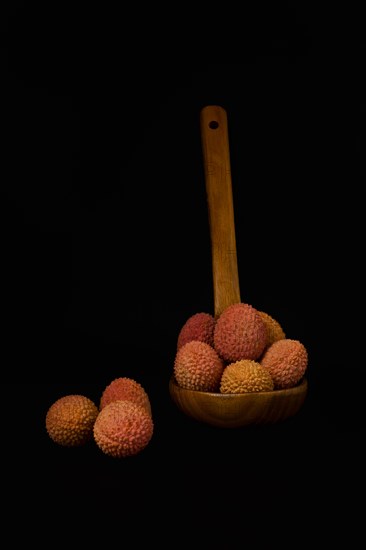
300 387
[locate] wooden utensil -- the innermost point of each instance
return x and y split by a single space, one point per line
228 410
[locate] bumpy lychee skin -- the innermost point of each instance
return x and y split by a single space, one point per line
124 388
123 429
246 376
287 361
199 326
274 329
70 420
197 366
240 333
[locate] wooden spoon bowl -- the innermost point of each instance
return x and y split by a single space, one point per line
240 409
219 409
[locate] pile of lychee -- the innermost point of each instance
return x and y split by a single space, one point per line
121 424
240 350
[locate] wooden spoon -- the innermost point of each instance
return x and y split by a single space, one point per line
243 409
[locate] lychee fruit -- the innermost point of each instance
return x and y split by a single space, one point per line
123 428
197 366
287 361
240 333
70 420
124 388
246 375
199 326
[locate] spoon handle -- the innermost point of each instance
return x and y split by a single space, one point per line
216 159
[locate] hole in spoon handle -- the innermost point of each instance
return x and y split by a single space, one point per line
216 160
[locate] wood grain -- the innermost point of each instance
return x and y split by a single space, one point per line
239 410
216 159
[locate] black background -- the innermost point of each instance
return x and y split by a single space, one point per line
106 253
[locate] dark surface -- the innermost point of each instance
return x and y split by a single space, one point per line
106 253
